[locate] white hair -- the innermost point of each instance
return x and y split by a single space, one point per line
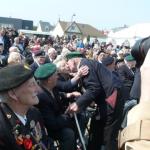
59 64
13 49
51 50
65 51
14 57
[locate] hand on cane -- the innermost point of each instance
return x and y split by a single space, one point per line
72 108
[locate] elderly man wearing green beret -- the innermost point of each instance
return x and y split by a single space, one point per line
126 73
21 126
58 124
100 88
136 135
130 61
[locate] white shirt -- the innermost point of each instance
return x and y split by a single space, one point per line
23 119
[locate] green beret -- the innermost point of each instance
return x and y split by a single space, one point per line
13 76
45 71
73 55
129 58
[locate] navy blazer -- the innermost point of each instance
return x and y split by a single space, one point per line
98 84
52 112
9 121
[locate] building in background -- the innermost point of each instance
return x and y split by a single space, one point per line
44 27
82 31
16 23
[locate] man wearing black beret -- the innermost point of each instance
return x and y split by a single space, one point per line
21 126
109 62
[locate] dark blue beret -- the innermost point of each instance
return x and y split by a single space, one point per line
39 53
108 60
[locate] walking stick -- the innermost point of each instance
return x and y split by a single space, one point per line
79 130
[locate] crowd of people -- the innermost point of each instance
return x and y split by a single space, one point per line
46 81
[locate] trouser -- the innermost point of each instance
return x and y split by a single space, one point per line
104 131
66 138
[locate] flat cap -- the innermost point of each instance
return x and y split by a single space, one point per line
45 71
108 60
13 76
129 58
74 55
39 53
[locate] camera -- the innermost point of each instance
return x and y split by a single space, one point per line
140 49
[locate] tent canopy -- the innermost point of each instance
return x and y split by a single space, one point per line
135 31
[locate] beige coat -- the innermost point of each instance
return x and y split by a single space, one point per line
136 136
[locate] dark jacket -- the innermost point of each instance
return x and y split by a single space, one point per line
11 127
65 86
127 75
135 92
98 84
7 44
52 111
34 66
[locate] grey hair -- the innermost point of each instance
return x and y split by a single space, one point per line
59 64
58 59
4 97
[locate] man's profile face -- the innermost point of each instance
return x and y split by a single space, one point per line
52 81
64 68
72 65
27 93
41 59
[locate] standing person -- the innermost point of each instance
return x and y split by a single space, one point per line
21 126
109 62
136 136
99 88
18 44
3 58
5 40
127 75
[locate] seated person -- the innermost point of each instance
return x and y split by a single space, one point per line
21 125
59 125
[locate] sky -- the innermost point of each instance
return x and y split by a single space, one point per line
102 14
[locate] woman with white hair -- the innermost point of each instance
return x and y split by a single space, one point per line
13 49
67 81
14 58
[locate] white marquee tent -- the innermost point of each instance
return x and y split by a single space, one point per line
131 34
